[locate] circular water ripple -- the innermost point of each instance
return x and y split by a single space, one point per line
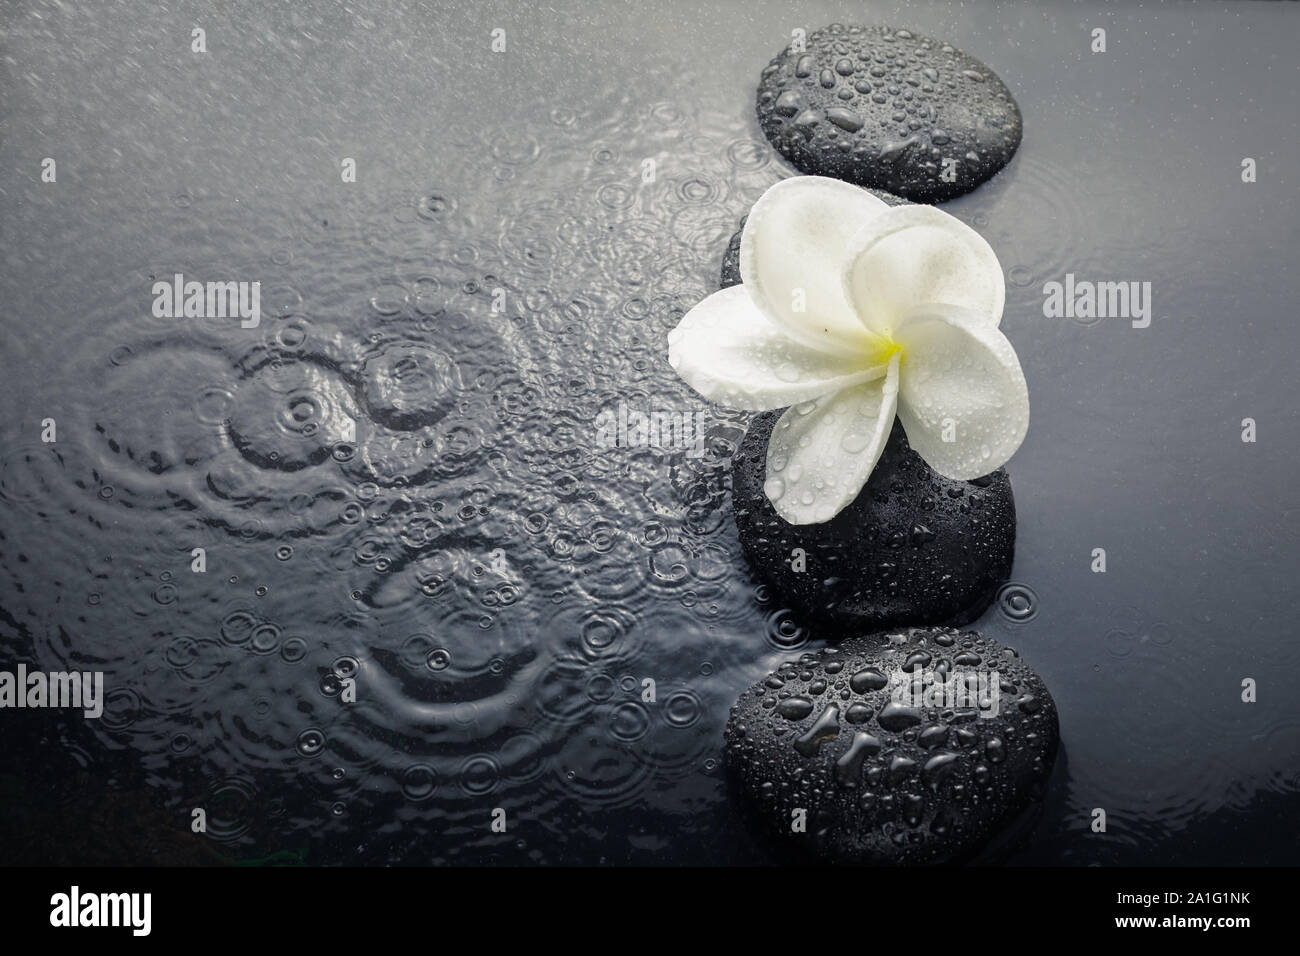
290 416
1017 602
408 385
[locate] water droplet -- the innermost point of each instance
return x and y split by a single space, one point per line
795 708
896 717
826 727
848 769
867 680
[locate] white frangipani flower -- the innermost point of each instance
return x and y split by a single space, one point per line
851 311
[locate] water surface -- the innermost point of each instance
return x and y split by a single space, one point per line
497 584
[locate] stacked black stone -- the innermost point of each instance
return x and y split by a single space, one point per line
891 109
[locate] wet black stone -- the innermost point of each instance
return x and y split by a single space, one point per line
731 258
882 107
887 790
914 548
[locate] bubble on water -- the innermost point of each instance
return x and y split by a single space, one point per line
1017 602
438 659
479 775
419 782
311 742
783 631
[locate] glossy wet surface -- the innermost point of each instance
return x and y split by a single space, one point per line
497 584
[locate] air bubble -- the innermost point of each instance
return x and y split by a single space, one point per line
311 742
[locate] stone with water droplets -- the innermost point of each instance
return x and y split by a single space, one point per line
914 548
889 108
957 780
731 258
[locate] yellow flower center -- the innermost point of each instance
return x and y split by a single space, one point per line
882 350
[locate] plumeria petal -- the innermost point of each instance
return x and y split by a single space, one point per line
962 395
792 254
918 254
822 453
728 352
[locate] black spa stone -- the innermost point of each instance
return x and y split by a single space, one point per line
889 108
914 548
885 775
731 258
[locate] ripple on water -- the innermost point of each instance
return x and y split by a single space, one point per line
409 385
1017 602
601 771
607 633
231 803
682 729
1051 226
